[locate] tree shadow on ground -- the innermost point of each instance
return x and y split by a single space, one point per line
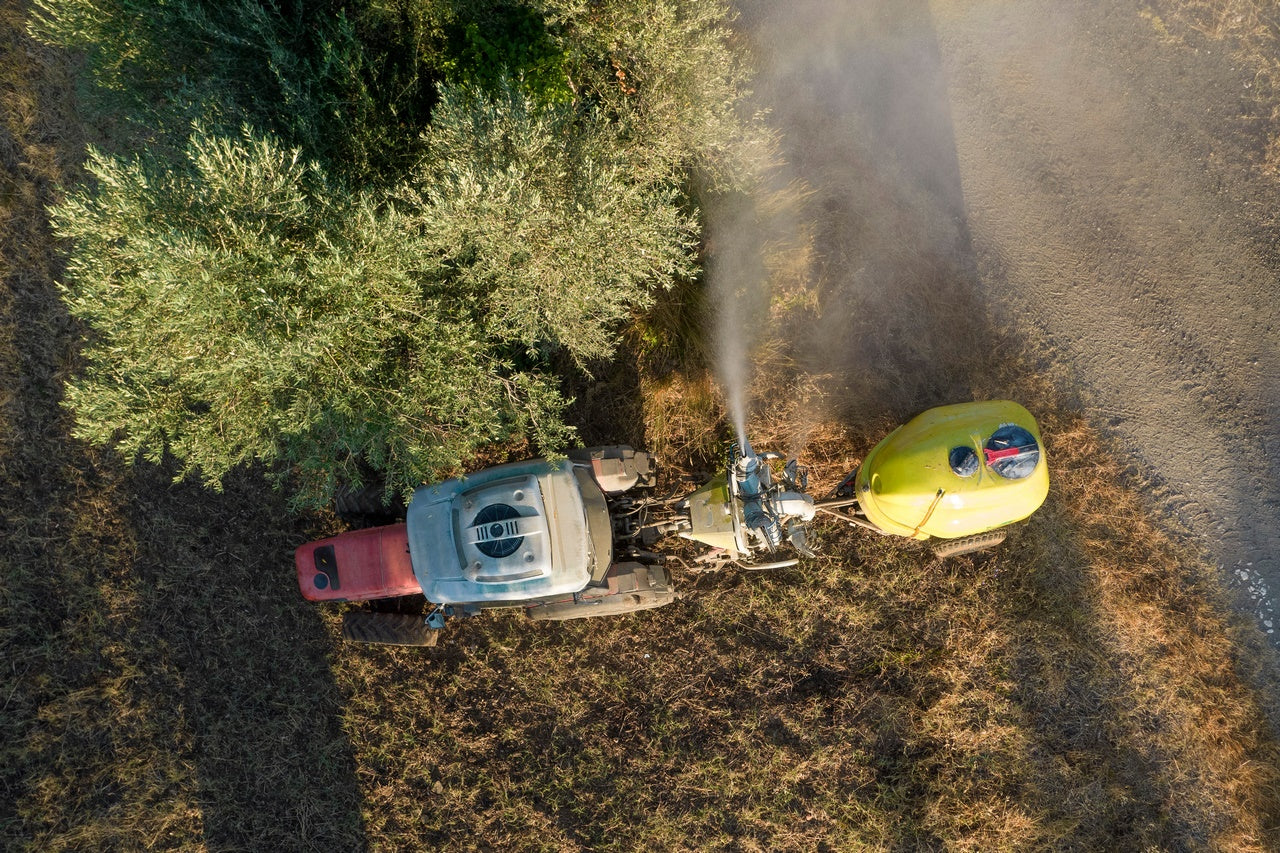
164 684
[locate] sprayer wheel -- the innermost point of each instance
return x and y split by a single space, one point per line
392 629
969 544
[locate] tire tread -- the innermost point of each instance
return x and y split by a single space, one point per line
391 629
970 544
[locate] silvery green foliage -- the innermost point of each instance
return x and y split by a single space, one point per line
670 77
540 216
296 68
244 307
245 303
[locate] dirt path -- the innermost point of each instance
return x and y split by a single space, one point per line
1107 193
1066 168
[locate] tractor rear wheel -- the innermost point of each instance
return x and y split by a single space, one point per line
392 629
969 544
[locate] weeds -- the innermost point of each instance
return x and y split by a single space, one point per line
1083 687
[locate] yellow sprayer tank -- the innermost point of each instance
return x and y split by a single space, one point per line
955 471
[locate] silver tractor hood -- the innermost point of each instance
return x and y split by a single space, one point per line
510 533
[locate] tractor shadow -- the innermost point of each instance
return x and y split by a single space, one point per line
276 770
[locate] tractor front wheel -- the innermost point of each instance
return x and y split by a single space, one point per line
363 507
392 629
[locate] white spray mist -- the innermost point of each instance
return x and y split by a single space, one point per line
739 287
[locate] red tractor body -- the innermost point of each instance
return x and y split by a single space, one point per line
360 565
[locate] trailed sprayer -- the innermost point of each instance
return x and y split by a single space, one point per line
585 535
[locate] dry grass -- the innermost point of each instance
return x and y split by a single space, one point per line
1251 29
163 687
1081 689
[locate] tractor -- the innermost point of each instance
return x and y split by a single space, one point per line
574 537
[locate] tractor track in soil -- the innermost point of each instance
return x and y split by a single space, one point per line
1074 172
1105 172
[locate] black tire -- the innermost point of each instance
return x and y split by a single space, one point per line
391 629
363 507
969 544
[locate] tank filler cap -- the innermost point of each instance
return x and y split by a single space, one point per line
963 461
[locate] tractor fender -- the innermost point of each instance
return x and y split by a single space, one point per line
617 468
628 587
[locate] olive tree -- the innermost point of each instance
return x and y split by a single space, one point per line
244 306
342 237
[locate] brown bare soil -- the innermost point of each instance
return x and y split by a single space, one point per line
1114 167
1085 687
